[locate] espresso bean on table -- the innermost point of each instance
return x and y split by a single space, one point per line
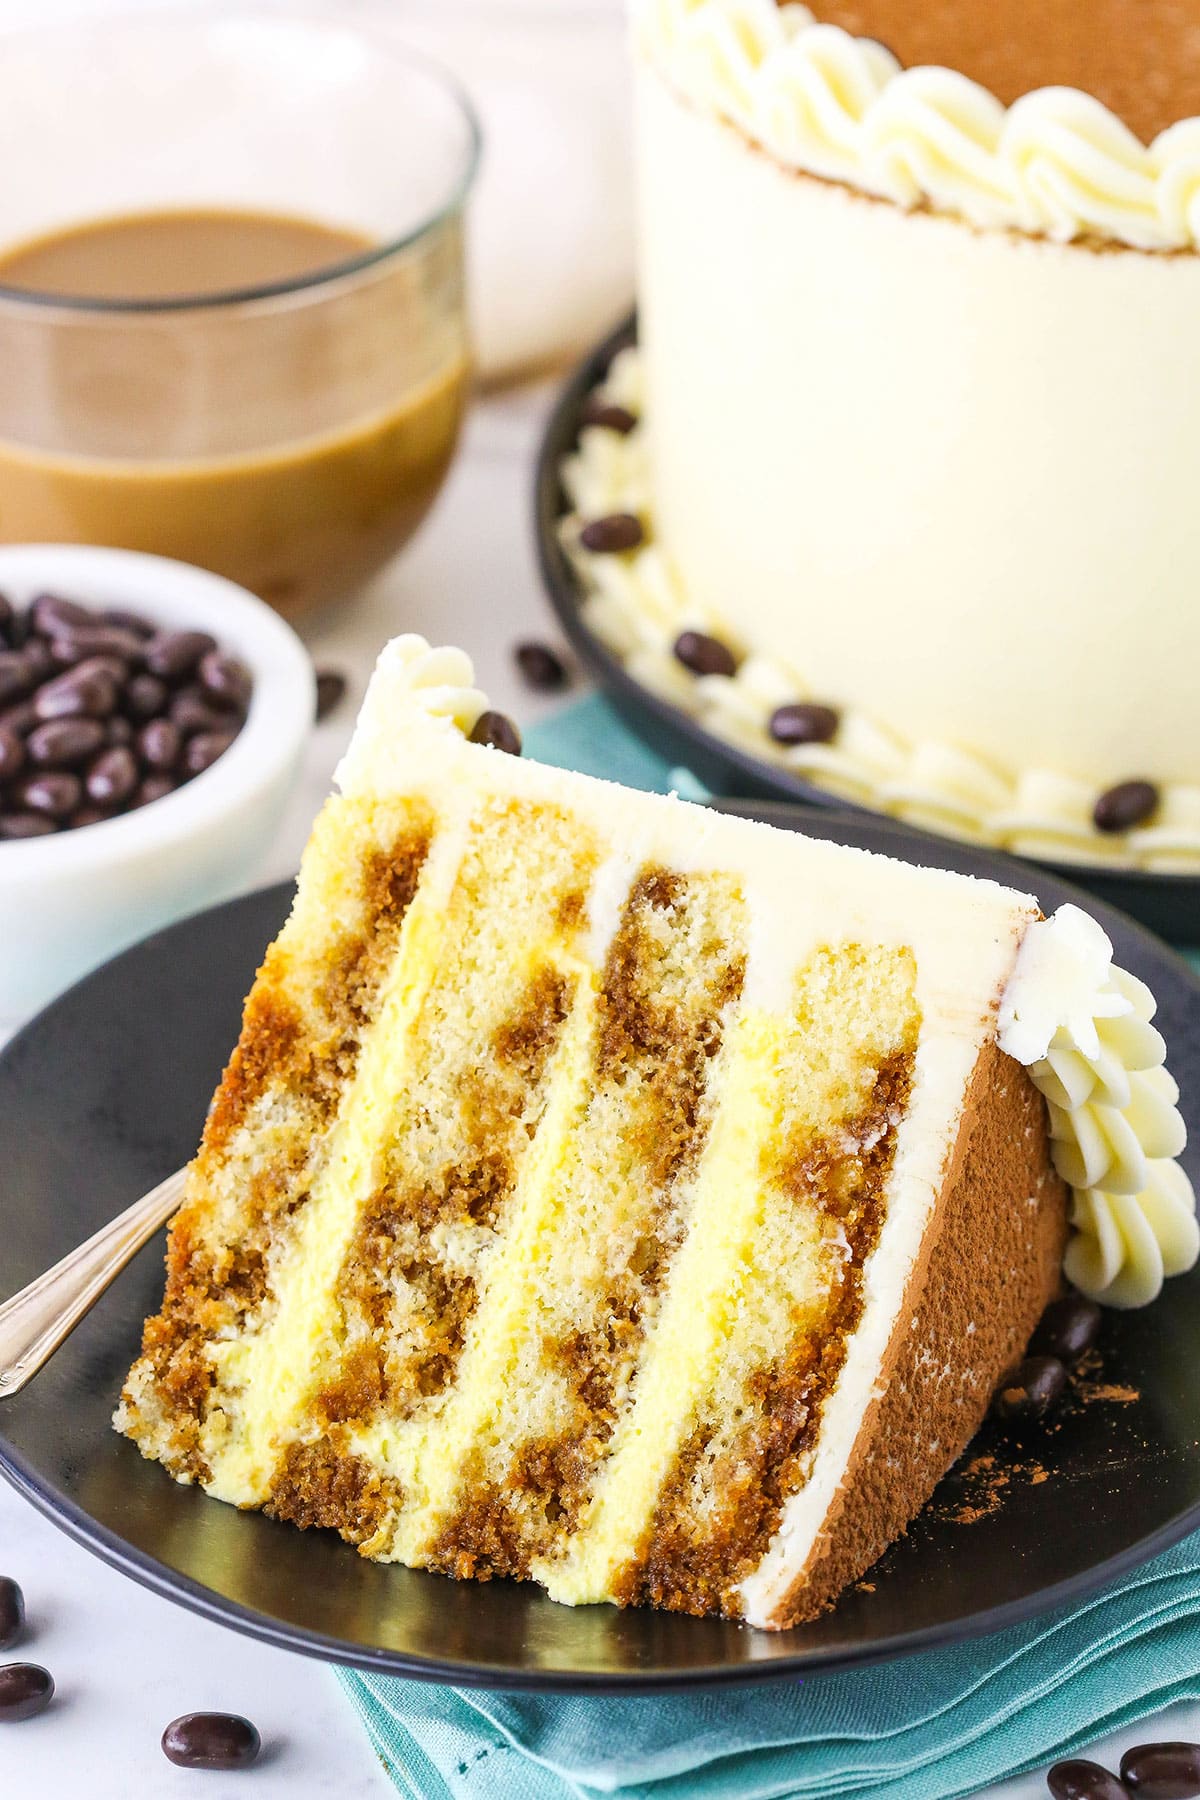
542 666
26 1689
1167 1771
331 689
1079 1779
12 1612
1031 1390
210 1740
1067 1329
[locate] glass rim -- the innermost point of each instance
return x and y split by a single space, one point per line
47 300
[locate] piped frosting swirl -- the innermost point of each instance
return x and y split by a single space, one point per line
1082 1027
1057 163
439 682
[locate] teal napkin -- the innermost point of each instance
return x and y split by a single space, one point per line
927 1727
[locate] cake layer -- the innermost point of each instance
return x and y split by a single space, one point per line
940 475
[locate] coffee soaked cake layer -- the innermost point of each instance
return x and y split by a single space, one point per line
268 1135
574 1179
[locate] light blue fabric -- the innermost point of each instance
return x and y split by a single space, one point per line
927 1727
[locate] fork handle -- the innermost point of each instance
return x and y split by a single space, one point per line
34 1322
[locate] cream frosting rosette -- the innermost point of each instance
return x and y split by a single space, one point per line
1056 163
1082 1026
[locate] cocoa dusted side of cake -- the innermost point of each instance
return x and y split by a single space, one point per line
991 1263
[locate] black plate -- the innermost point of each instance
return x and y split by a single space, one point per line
106 1091
1168 904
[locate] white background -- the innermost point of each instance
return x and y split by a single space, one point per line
125 1661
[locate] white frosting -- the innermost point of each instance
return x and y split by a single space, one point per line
1056 163
411 680
638 604
1082 1028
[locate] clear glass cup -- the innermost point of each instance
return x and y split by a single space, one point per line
290 435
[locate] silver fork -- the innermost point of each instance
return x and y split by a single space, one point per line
34 1322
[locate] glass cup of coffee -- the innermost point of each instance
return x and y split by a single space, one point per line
232 317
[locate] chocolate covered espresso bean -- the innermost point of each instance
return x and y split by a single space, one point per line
211 1740
26 1689
17 825
12 1612
97 710
1167 1771
331 690
62 742
226 680
1078 1779
1031 1391
498 730
53 792
89 691
13 753
1067 1329
51 614
16 677
112 777
174 654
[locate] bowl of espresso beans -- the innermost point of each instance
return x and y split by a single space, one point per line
152 721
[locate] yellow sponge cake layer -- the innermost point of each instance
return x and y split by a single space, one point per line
576 1178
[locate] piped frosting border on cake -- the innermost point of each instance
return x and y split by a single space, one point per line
1056 163
636 604
1082 1027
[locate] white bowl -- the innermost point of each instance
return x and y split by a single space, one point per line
71 900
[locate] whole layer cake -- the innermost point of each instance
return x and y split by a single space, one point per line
918 297
643 1201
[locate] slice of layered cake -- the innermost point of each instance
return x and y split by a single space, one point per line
642 1201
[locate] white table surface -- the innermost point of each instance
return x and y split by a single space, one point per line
125 1661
